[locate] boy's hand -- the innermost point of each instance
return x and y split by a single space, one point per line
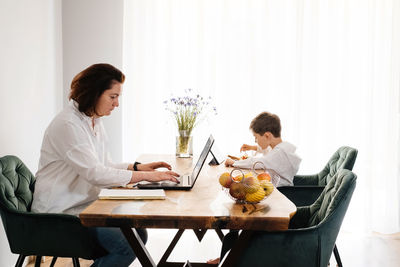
229 162
246 147
153 166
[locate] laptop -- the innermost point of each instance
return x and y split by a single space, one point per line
187 181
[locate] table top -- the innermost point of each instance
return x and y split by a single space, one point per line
206 206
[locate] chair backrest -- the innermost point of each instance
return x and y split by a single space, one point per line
312 234
337 192
17 184
328 211
343 158
30 233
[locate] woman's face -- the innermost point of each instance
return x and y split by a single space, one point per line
109 100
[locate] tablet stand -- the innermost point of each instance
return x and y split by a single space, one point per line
216 156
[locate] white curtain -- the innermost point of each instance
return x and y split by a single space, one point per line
329 69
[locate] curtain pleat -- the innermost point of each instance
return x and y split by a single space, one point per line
329 69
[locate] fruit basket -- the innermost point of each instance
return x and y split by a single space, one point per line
247 186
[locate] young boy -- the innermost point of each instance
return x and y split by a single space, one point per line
278 156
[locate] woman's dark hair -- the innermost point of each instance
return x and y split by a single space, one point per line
88 85
266 122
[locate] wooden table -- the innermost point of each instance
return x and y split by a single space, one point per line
206 206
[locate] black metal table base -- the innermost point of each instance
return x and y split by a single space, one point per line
144 256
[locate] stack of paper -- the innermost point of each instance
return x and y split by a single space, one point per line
132 194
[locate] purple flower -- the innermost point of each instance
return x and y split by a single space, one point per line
188 109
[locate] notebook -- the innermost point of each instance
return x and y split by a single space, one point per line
131 194
187 181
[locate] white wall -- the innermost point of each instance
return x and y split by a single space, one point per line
93 33
30 82
43 44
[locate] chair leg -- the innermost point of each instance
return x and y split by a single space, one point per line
337 256
20 261
53 261
75 262
38 260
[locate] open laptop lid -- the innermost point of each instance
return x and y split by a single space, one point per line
202 159
184 185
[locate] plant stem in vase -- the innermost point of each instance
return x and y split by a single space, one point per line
188 111
184 145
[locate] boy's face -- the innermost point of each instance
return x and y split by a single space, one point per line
263 140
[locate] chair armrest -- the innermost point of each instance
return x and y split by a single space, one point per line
50 234
302 195
300 246
300 219
305 180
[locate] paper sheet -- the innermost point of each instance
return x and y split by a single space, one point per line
132 194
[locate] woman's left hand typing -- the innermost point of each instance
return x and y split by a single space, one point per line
153 166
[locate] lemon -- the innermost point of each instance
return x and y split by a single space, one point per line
267 186
249 174
257 196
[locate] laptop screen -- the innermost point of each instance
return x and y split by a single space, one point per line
187 181
202 158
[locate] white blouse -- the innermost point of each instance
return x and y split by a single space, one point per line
74 164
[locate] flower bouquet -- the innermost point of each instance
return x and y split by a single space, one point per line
188 111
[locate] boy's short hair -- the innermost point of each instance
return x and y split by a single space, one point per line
266 122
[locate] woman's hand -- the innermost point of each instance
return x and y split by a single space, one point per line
246 147
154 176
147 172
229 162
152 166
157 176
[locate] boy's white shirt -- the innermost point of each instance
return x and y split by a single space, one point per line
281 162
263 151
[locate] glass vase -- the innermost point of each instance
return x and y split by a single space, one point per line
184 145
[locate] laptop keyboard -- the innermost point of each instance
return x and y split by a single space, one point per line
183 182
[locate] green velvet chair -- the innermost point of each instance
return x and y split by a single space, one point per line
307 188
40 234
313 230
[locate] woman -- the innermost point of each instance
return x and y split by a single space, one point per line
74 162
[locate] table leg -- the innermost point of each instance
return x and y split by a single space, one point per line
171 246
220 234
138 247
232 256
200 234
